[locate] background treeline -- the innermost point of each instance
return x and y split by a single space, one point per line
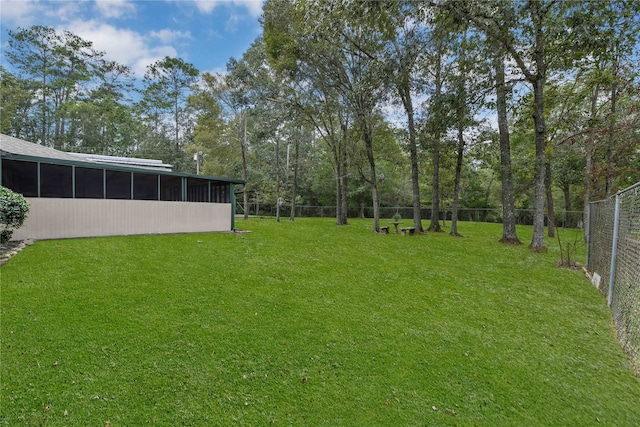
445 105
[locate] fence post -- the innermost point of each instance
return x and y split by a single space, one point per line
614 249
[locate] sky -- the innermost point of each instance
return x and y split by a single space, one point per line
205 33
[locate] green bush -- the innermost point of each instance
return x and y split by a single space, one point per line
13 211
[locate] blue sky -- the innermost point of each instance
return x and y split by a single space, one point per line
205 33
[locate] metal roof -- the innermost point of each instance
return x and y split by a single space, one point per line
9 144
19 149
125 161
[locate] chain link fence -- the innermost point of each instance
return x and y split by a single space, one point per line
613 260
565 219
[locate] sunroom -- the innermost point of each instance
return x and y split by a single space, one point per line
72 196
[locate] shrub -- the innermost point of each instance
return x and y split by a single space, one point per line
13 211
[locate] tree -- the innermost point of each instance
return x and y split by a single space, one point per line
228 135
437 125
75 59
102 121
250 92
404 34
349 64
509 235
466 97
609 30
358 76
563 120
167 83
536 36
310 63
568 170
219 156
296 142
63 64
16 95
32 51
75 95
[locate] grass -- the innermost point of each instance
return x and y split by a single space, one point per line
307 324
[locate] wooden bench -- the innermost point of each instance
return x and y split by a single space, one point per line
384 230
408 230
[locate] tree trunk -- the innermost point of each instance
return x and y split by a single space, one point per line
460 116
609 162
243 153
434 225
403 87
340 170
368 140
294 187
551 215
537 241
56 122
509 235
487 192
61 113
177 121
456 185
338 178
278 200
435 182
345 187
413 151
588 170
45 110
338 197
566 191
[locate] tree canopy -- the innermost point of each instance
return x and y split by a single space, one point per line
368 106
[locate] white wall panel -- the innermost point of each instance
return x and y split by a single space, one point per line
64 218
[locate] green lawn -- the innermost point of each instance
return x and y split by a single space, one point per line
307 324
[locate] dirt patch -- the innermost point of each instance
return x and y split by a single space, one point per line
9 249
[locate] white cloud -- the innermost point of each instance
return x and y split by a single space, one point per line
115 8
123 45
65 9
232 23
168 36
254 7
216 70
25 13
17 13
206 6
135 46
